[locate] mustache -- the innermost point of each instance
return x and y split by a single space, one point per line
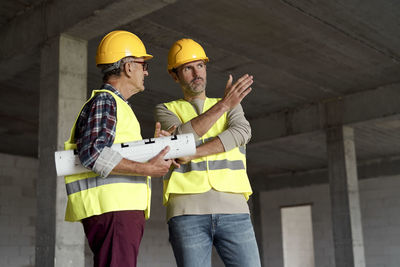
197 78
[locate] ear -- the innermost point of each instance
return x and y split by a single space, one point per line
128 69
174 76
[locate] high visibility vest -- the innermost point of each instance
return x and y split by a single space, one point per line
225 172
89 194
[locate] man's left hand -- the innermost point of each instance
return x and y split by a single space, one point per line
159 133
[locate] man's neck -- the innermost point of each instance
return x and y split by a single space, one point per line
122 87
191 98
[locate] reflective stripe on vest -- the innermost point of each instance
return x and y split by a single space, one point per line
93 182
212 165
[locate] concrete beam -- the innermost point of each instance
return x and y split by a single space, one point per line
366 170
116 14
345 110
23 36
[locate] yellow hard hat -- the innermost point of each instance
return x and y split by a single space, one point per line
184 51
119 44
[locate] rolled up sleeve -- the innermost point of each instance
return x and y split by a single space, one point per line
238 132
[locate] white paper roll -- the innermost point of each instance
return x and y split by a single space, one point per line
68 163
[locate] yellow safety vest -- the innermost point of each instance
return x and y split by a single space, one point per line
225 172
90 194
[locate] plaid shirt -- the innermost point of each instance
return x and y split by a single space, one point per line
95 128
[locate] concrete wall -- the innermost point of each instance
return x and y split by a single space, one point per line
380 200
18 177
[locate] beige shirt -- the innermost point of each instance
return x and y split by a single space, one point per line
211 202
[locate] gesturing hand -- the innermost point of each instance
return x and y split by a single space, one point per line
158 132
234 93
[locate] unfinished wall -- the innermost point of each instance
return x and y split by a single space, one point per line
380 200
18 177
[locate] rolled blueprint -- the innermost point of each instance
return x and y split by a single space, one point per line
68 163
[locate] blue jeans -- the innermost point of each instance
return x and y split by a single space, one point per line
192 238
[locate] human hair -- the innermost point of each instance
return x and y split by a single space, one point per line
114 69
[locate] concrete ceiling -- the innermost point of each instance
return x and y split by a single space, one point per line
315 64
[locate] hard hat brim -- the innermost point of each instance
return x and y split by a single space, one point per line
115 59
205 59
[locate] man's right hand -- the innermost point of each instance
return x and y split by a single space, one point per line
234 93
158 166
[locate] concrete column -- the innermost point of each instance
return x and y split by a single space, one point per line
343 181
63 89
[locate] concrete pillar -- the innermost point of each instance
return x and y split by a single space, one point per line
63 89
345 203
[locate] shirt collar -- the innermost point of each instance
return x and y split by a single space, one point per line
109 87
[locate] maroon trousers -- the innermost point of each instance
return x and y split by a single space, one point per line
114 237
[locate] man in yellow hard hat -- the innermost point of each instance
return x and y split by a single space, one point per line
206 197
113 200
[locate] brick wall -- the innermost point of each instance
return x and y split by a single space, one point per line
18 177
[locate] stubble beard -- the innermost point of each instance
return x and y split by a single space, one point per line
194 89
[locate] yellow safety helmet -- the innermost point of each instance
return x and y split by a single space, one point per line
119 44
184 51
